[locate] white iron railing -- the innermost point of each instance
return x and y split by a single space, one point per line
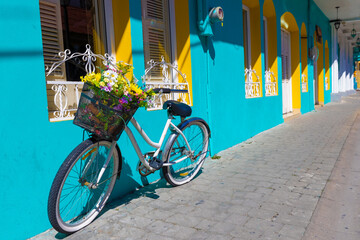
166 81
270 86
61 88
61 99
304 83
252 89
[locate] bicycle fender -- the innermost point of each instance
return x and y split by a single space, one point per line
187 121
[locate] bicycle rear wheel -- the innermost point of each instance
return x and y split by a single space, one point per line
185 162
75 199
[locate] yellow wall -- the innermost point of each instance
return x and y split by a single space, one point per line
295 70
327 65
183 40
320 72
121 13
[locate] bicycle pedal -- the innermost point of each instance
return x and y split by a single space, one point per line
156 163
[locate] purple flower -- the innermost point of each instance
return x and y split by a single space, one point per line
123 100
106 88
118 107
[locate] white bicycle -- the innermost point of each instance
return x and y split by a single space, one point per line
86 179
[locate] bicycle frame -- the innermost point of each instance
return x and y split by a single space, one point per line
151 143
148 141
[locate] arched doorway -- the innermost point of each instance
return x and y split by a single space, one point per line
290 56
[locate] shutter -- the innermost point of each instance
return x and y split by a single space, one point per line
52 38
156 33
285 38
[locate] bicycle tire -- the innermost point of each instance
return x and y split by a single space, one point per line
72 191
197 134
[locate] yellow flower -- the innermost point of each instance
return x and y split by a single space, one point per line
102 84
91 77
98 77
135 88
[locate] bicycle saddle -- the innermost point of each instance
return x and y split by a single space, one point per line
177 108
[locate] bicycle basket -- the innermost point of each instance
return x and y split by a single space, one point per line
99 113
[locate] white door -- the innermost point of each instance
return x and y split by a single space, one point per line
286 74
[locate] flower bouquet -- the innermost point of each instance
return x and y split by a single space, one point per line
109 100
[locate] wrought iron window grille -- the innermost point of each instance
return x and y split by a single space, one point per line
270 83
167 77
252 89
61 88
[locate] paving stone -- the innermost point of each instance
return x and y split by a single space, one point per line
292 231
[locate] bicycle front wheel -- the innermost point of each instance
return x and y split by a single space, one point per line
77 195
183 163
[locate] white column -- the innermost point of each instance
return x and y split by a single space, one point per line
352 67
346 66
334 61
341 58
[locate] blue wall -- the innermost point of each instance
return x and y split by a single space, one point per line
32 148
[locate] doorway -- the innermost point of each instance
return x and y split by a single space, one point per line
286 71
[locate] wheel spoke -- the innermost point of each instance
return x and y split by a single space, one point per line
186 162
80 202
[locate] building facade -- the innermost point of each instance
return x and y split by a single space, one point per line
267 60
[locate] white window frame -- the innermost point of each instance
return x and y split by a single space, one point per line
62 94
109 28
173 79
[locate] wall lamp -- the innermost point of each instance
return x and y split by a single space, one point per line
215 15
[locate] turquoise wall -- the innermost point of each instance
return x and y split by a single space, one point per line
32 148
219 83
318 18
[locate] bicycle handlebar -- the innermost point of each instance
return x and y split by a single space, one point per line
169 90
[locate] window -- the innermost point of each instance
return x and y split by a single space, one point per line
265 29
252 82
158 19
157 33
69 24
246 32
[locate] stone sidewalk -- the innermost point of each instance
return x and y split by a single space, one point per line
267 187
